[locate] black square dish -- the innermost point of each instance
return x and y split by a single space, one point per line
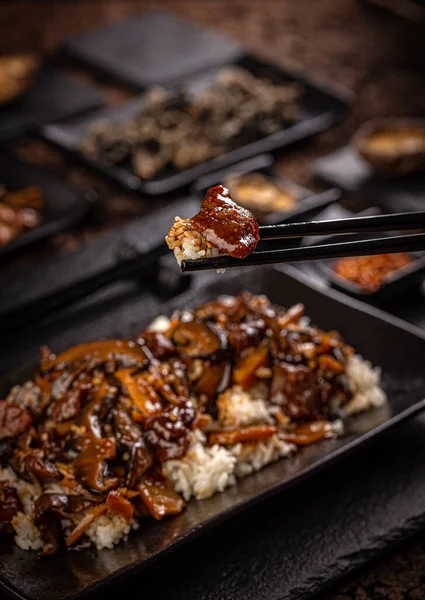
152 48
370 331
400 282
346 170
306 203
52 96
64 205
321 106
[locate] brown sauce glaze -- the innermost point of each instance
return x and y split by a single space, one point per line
227 226
102 418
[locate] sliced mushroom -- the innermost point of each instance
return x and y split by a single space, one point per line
130 436
31 465
141 393
49 509
196 340
211 379
90 468
127 353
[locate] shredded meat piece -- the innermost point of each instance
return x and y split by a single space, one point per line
300 392
13 420
168 433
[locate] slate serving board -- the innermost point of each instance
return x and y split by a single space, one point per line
322 104
287 547
156 47
52 97
26 296
406 298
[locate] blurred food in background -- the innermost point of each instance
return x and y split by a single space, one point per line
176 131
393 147
17 72
260 194
19 212
370 272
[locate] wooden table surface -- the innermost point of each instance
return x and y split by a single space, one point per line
362 46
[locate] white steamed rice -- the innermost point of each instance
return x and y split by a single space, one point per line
187 243
204 470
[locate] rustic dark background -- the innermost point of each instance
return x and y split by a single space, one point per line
375 49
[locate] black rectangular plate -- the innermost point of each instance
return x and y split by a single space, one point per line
400 283
156 47
64 205
22 290
307 202
370 331
346 170
53 96
321 107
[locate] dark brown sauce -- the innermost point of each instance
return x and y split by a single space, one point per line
227 226
102 417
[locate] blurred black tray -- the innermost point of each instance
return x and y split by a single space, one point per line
291 546
64 205
53 96
129 252
322 105
346 170
402 295
307 202
156 47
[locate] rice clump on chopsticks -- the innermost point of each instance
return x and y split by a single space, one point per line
188 243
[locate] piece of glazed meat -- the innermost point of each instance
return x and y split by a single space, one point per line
220 227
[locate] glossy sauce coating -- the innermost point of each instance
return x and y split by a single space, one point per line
103 419
228 227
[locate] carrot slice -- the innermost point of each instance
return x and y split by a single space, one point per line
85 523
247 434
309 433
117 504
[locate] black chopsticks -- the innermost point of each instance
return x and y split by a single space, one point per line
393 222
356 225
